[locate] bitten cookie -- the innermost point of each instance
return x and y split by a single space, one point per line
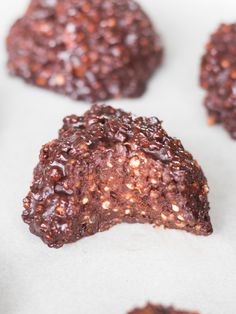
218 77
88 49
108 167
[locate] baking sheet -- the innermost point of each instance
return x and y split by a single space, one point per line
129 265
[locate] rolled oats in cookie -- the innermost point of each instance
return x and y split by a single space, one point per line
87 49
108 167
218 77
159 309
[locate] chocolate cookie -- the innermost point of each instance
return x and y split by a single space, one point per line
89 49
108 167
218 77
158 309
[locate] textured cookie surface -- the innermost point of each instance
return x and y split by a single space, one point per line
108 167
158 309
218 77
87 49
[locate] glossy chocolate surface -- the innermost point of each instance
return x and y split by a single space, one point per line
87 49
218 77
108 167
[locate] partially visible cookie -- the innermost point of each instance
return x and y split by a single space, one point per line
218 77
87 49
159 309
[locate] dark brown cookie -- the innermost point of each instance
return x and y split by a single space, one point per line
158 309
218 77
108 167
89 49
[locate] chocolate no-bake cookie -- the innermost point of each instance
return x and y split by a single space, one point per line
88 49
158 309
218 77
107 167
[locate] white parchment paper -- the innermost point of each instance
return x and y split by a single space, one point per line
129 265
